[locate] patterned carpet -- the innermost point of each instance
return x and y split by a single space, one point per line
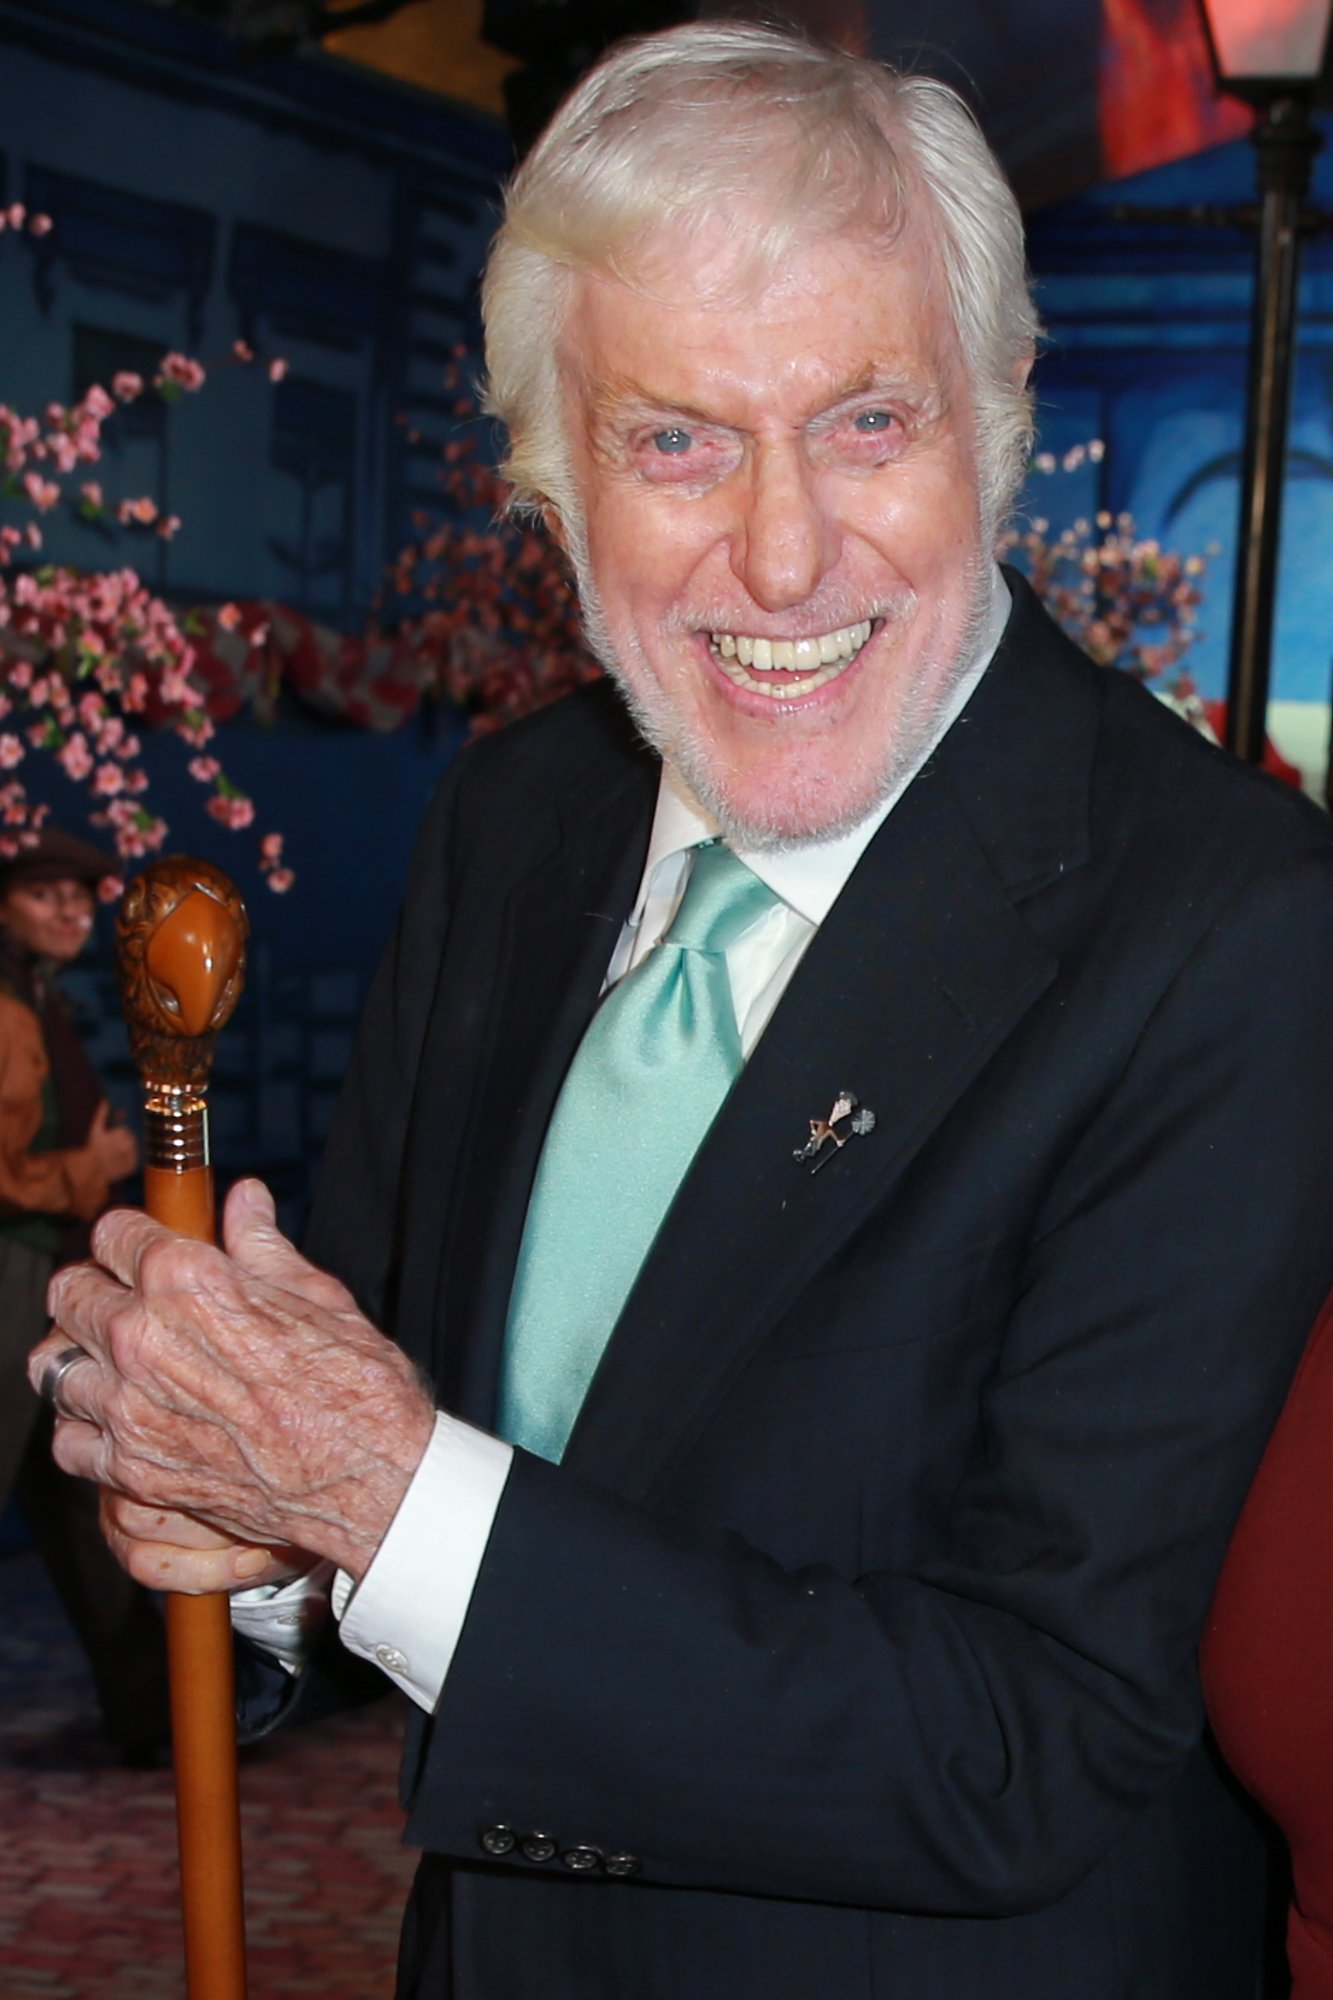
88 1855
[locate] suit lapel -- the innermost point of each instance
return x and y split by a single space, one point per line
920 971
559 924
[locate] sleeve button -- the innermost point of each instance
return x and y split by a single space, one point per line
538 1846
392 1661
622 1865
582 1860
497 1840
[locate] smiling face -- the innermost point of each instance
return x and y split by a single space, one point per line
51 919
782 562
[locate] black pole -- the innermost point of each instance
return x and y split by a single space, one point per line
1286 143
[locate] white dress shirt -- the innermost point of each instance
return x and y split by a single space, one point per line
407 1613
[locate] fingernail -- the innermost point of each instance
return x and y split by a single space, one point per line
251 1563
258 1199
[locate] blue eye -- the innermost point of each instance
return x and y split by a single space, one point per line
873 420
672 440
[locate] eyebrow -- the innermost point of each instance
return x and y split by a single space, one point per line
619 396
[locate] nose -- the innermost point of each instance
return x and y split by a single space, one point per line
786 541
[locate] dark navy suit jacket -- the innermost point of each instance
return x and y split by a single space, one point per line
851 1651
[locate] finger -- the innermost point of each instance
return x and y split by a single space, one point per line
81 1449
189 1572
125 1237
50 1348
251 1236
134 1521
80 1300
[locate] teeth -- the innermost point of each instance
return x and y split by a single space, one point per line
818 661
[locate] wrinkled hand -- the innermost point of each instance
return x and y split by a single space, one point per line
164 1550
114 1147
243 1389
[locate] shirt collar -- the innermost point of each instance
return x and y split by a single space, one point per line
810 878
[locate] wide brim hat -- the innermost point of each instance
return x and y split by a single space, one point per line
57 856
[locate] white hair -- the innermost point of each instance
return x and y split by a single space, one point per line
701 125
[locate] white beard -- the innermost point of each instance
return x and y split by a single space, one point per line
694 762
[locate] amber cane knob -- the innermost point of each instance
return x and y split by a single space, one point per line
181 957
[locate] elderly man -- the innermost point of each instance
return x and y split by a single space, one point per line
855 1174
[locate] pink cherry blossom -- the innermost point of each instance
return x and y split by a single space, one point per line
75 759
43 493
182 371
234 811
85 651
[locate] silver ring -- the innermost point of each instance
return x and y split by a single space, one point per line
54 1374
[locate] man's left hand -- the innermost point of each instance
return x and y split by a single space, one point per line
241 1386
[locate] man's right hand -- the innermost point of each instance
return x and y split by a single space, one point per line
169 1551
114 1147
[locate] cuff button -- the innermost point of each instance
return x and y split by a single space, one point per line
497 1840
622 1865
392 1661
538 1846
582 1860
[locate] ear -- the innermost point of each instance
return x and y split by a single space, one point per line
1023 368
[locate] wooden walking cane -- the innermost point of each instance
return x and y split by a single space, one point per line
181 958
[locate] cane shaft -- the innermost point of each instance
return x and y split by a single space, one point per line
203 1693
183 1201
182 934
208 1821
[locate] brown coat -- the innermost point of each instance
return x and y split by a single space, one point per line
66 1181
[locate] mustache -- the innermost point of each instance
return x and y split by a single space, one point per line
830 611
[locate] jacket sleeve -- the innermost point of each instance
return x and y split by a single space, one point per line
67 1181
966 1735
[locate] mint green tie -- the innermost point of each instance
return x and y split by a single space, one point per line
658 1058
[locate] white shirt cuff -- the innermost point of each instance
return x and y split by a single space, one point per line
285 1619
407 1612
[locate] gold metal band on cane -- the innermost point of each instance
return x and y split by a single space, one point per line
175 1127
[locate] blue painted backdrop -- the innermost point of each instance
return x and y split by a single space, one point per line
1148 340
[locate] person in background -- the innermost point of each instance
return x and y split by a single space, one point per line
60 1157
1267 1654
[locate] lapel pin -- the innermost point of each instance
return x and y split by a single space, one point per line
847 1118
